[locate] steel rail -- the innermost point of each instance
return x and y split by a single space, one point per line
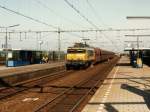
62 93
28 81
92 88
24 88
39 108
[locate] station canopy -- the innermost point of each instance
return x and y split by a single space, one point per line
136 49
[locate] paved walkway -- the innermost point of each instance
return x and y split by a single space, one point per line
126 89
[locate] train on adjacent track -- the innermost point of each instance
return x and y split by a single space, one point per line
82 55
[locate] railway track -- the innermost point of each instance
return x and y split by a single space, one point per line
68 91
29 84
69 100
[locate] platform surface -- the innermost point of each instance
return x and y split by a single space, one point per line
126 89
7 71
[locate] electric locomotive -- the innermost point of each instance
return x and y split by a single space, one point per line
79 57
82 55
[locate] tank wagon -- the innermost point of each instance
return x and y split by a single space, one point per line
84 55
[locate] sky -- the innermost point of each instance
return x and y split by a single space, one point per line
105 14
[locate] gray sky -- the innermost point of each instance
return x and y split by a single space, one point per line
103 13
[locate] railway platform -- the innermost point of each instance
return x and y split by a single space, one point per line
126 89
12 75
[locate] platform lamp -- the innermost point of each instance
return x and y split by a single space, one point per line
6 39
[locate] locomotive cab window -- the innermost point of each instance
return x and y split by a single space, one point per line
76 51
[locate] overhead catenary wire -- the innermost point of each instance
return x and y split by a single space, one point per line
90 22
34 19
73 7
55 13
95 13
83 30
50 26
28 17
38 21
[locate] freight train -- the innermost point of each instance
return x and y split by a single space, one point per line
81 55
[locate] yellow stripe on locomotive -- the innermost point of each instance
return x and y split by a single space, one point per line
77 57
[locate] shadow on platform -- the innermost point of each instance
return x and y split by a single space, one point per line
107 106
144 93
132 77
110 108
145 84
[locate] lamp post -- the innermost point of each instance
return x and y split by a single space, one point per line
6 39
59 44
